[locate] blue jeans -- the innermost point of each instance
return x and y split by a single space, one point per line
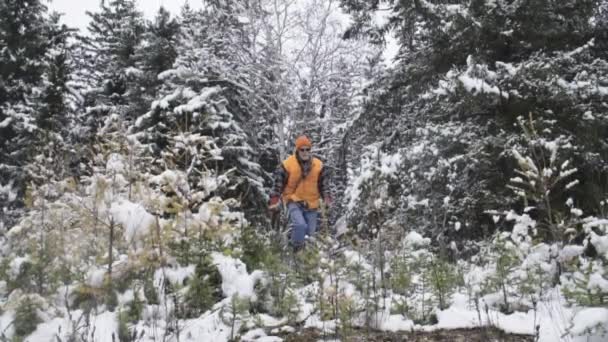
303 222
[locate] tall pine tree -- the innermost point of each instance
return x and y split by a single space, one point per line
199 122
115 32
30 92
155 54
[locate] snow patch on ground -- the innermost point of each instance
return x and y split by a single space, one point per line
235 279
590 320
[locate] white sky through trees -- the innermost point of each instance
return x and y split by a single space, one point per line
74 15
74 11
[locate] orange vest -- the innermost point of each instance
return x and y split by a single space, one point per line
306 189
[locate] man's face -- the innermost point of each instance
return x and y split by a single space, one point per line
304 152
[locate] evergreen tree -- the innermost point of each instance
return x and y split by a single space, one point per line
465 72
601 30
198 124
51 145
28 39
155 54
51 116
115 33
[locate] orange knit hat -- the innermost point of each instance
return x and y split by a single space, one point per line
302 140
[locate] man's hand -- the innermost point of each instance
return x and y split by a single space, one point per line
273 204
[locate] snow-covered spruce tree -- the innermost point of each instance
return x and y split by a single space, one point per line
112 78
52 142
199 124
465 73
31 93
155 54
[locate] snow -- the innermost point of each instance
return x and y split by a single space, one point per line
522 227
95 277
208 327
115 163
105 326
341 226
566 173
570 202
599 242
414 239
283 329
396 323
588 319
235 279
136 221
243 20
457 226
580 49
8 190
475 85
175 275
259 335
508 67
553 317
576 212
569 252
15 265
6 323
198 101
572 184
6 122
390 163
132 71
597 284
594 223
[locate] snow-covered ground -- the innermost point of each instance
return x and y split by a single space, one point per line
555 319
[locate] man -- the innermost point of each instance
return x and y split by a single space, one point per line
301 181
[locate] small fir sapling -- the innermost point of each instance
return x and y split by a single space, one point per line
204 290
26 318
444 280
235 313
588 285
541 178
289 306
348 309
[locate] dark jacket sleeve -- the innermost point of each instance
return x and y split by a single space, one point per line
323 183
279 181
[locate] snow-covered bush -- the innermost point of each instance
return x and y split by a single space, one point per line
134 231
203 291
551 244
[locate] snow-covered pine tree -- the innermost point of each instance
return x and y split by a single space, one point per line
155 54
29 39
54 114
465 72
601 30
199 124
115 32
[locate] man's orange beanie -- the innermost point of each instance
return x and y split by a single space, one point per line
302 140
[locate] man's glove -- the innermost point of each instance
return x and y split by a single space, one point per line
327 200
273 204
